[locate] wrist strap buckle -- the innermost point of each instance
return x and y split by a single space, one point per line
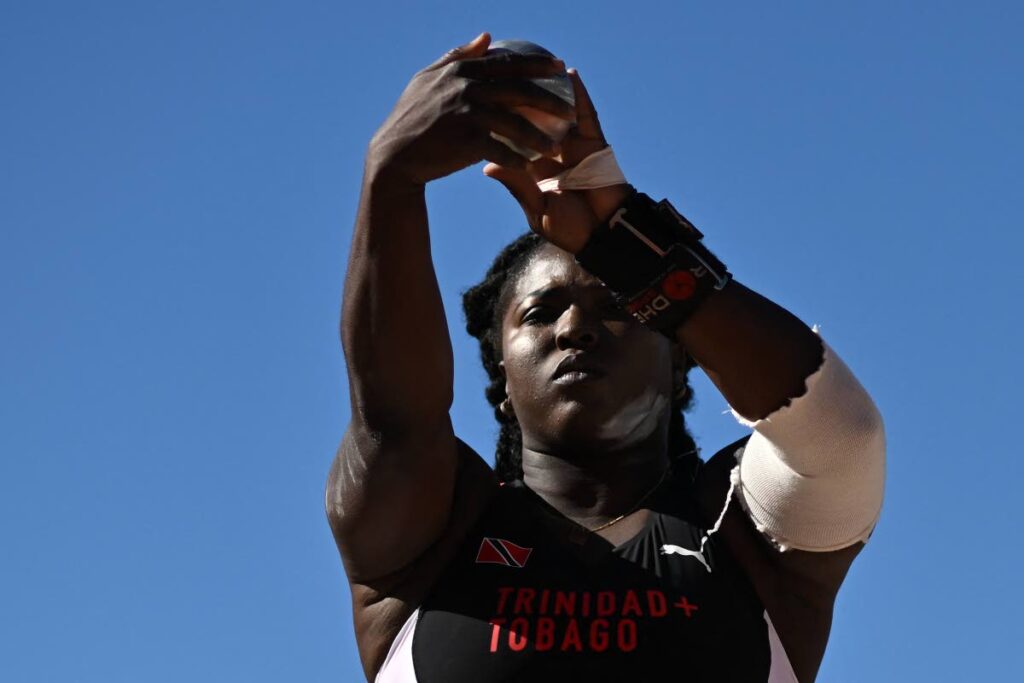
653 258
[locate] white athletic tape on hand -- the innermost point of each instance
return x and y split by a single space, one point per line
598 170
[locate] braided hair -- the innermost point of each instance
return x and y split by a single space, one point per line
484 305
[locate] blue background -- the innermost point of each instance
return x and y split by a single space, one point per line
177 188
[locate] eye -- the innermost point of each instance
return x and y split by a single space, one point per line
612 310
539 314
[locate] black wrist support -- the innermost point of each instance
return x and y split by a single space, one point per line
654 261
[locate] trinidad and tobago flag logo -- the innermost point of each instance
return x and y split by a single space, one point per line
500 551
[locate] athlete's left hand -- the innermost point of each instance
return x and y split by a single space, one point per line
566 218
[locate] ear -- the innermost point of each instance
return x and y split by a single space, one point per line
501 368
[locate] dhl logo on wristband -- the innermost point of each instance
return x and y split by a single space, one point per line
677 285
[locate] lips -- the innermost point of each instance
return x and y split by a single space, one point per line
576 368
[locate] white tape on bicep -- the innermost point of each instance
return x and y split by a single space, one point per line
598 170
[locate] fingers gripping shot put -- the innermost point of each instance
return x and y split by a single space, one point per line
557 84
600 546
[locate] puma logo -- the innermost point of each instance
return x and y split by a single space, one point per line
669 549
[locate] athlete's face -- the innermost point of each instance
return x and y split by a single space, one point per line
580 371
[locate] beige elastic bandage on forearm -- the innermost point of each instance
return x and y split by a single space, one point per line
812 475
597 170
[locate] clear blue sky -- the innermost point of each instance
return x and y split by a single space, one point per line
177 188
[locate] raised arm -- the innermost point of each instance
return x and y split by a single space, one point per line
810 477
390 488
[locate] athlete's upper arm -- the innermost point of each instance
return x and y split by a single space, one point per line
381 603
798 588
816 575
389 495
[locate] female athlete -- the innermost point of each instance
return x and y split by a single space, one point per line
600 548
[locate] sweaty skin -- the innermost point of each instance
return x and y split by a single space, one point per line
404 489
559 311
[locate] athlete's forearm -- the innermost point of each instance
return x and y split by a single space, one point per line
756 352
812 474
393 325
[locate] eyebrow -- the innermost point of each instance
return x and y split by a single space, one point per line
541 293
559 289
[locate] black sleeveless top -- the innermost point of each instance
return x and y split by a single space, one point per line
531 596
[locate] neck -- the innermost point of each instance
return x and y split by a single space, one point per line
595 487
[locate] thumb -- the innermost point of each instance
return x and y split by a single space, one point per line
523 187
474 48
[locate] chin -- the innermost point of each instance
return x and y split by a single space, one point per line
596 424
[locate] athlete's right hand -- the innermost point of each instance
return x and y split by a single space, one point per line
443 120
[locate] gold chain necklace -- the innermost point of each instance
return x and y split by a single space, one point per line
635 505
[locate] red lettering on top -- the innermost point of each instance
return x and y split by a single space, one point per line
605 604
546 633
545 638
599 635
572 637
518 631
503 593
631 604
686 606
565 603
524 601
627 635
496 624
657 606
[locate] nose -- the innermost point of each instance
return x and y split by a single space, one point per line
576 330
